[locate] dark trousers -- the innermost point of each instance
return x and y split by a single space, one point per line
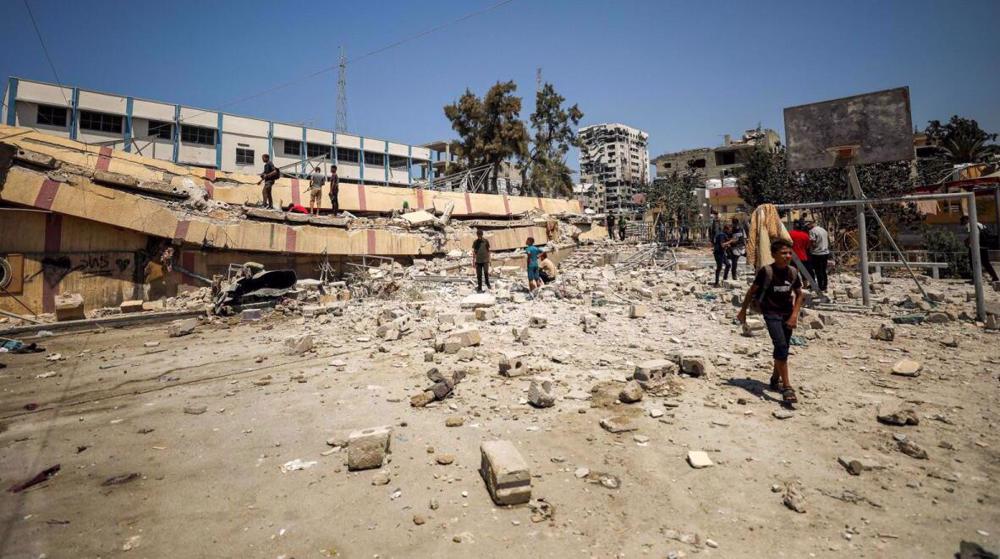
781 335
335 200
721 265
266 194
817 266
611 232
984 259
734 260
482 271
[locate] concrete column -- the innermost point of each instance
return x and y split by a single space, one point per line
270 140
388 173
12 102
409 167
128 124
361 161
177 131
74 113
218 144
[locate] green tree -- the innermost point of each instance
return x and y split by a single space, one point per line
544 171
490 129
764 178
961 140
672 197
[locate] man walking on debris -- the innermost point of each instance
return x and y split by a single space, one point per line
819 253
270 174
334 189
481 260
735 246
610 219
719 252
534 280
777 293
985 242
622 224
546 268
316 181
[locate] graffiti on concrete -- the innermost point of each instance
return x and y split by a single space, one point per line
107 264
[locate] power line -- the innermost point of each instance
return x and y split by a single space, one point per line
45 50
353 60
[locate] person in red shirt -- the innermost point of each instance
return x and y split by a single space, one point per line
800 243
296 208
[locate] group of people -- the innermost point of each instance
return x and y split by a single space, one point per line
541 269
622 226
728 245
811 244
314 188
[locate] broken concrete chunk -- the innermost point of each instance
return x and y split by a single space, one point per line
699 459
184 327
751 326
911 449
422 399
478 301
885 332
522 335
637 311
69 306
631 393
134 305
618 424
695 363
540 394
251 315
485 314
297 345
538 321
655 370
459 339
907 368
900 418
505 472
367 448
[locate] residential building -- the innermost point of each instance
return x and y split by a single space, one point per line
718 162
616 157
590 195
205 138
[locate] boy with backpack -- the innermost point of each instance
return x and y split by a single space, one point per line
776 293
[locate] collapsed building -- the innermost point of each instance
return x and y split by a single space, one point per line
115 226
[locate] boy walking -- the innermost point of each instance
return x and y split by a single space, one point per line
777 289
481 259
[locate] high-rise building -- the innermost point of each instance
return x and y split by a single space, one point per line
615 157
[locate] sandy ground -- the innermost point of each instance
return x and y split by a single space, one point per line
210 485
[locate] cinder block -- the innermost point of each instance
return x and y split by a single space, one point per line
505 472
134 305
367 448
69 306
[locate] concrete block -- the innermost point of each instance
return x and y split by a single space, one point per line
367 448
184 327
655 370
505 472
134 305
478 300
462 338
637 311
69 306
250 315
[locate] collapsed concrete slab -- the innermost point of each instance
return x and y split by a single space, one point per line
507 476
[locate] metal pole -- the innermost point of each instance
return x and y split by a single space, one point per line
866 286
996 215
977 265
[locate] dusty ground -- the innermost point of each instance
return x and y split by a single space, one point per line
210 484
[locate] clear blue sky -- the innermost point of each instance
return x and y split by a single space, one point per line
684 71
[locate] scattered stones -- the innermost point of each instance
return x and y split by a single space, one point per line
694 363
541 510
478 301
949 341
522 335
885 332
540 394
637 311
783 414
538 321
297 345
381 478
699 459
581 472
441 389
419 519
938 318
454 421
618 424
911 449
459 339
654 372
907 368
855 466
752 326
899 417
195 410
367 448
444 459
184 327
505 472
511 366
631 393
793 498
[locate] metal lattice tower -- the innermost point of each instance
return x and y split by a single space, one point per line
341 123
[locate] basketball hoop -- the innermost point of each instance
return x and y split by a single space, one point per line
842 156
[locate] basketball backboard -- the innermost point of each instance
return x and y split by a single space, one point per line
867 128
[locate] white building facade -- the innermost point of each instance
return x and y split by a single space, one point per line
615 157
211 139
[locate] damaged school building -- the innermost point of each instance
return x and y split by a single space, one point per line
132 221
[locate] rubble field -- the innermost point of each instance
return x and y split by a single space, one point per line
633 413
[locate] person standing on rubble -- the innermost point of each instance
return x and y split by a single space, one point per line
316 181
819 253
719 252
334 189
270 174
610 221
481 260
622 224
736 246
777 293
534 279
800 245
986 240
